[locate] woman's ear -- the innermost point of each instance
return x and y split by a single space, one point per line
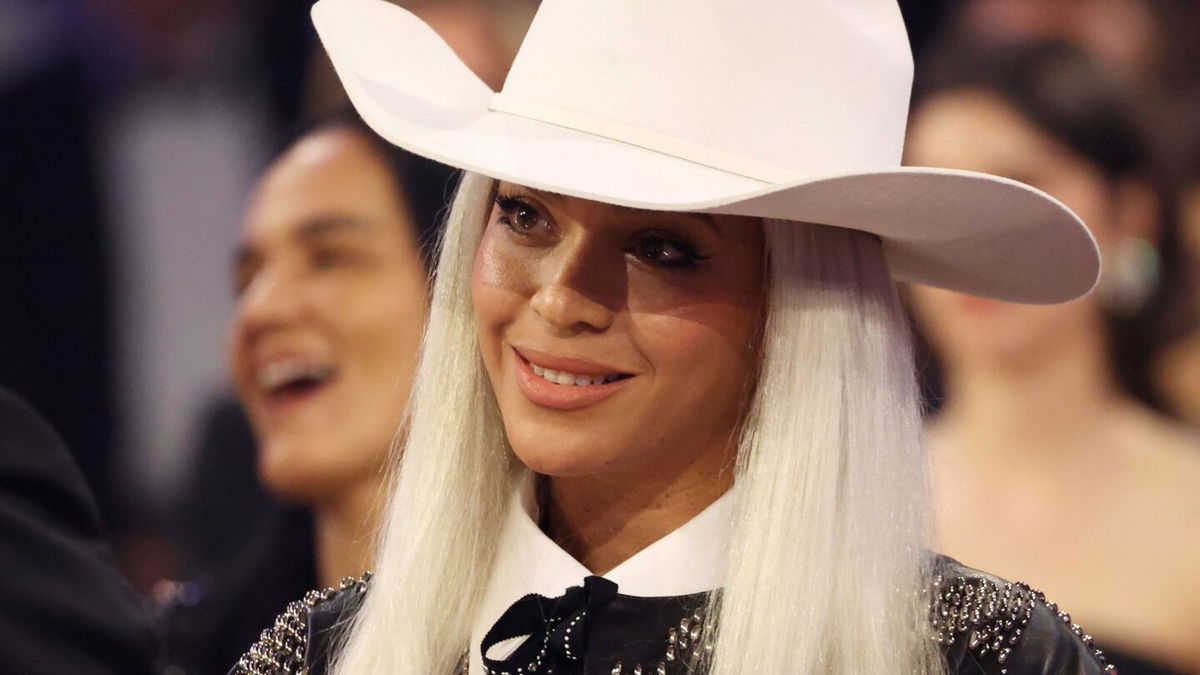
1132 269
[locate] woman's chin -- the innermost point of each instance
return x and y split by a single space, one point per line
303 473
565 462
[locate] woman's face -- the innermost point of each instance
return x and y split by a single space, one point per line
331 305
1121 32
977 130
617 340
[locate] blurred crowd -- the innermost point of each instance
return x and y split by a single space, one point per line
197 235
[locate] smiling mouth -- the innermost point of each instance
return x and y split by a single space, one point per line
573 379
294 377
565 390
570 379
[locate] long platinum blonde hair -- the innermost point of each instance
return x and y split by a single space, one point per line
827 570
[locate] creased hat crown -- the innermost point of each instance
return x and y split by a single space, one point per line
788 88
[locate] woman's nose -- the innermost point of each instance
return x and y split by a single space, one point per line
272 300
576 295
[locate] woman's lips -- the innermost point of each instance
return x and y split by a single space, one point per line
287 385
544 389
282 403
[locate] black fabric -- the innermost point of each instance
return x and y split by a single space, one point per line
64 608
208 623
326 624
246 554
224 511
556 629
1045 646
633 630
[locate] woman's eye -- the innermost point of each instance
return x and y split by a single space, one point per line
520 216
240 283
326 258
664 251
245 271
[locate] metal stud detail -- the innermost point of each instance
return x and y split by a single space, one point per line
686 644
991 616
281 648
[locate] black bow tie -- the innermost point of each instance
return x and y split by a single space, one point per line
557 628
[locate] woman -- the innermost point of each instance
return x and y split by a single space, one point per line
661 423
1177 372
1037 398
331 282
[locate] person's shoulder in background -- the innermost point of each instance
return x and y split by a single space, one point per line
65 608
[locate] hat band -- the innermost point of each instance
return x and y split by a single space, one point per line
643 138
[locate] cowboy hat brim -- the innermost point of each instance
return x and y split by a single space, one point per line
966 231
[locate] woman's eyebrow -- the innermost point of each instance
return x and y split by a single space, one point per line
248 254
321 226
245 256
706 219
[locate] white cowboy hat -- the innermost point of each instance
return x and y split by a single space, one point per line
792 109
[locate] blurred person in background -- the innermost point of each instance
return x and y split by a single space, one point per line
485 34
131 132
1147 39
331 282
1044 403
1177 370
1151 42
66 609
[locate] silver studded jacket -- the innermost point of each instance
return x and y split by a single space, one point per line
985 625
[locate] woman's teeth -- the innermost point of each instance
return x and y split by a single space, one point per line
571 379
281 374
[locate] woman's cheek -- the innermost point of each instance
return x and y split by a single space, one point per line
690 345
500 264
698 321
500 283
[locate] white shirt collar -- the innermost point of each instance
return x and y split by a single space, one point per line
691 559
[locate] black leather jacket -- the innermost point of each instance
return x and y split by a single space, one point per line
986 626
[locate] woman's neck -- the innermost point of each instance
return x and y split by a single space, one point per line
604 520
1032 405
344 530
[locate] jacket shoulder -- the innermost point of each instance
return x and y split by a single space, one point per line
299 640
987 625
